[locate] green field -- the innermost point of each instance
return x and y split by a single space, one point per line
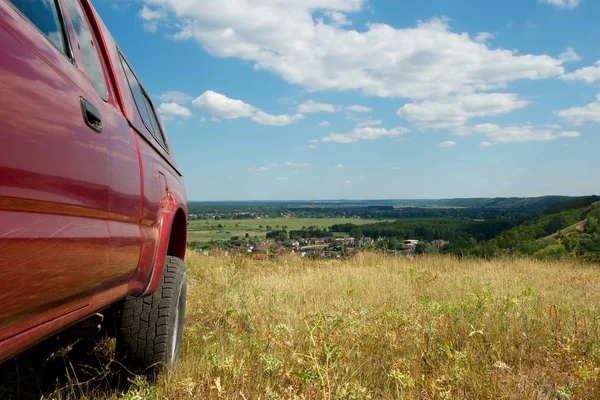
203 230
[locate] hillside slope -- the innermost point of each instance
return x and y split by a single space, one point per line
570 231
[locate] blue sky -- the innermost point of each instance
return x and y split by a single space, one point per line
371 99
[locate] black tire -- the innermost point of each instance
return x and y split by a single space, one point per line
150 328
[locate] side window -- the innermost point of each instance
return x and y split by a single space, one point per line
144 105
89 55
44 15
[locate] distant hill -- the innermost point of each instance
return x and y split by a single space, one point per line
524 204
571 230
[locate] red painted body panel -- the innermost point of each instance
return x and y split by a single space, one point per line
85 217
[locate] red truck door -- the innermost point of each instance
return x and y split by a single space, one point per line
55 110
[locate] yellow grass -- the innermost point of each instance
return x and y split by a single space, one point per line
376 327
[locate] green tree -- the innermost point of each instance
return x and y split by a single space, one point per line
356 233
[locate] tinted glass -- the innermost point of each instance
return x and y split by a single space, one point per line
44 15
87 48
143 104
155 125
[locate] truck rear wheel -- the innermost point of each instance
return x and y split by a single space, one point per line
150 329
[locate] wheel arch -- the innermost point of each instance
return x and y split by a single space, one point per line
178 235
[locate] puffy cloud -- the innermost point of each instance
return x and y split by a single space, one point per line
175 97
483 37
447 143
338 166
311 147
337 18
579 115
276 120
568 4
453 112
364 134
417 62
282 178
174 109
485 144
324 123
359 109
347 182
148 14
151 18
309 107
587 74
297 164
222 106
520 134
570 55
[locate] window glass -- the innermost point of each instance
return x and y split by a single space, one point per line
89 55
143 104
44 15
155 124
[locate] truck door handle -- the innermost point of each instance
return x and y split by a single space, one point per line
91 115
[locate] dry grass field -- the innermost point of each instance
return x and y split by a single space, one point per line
375 327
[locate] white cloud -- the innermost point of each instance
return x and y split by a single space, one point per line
275 120
337 18
579 115
324 123
203 120
485 144
347 182
417 62
259 169
568 4
587 74
364 134
483 37
282 178
520 134
314 140
338 166
359 109
570 55
148 14
447 143
368 122
453 112
215 119
175 97
297 164
174 109
311 146
222 106
151 18
310 106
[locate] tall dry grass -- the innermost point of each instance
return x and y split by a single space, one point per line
381 327
377 327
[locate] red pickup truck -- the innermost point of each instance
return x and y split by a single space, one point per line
93 211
